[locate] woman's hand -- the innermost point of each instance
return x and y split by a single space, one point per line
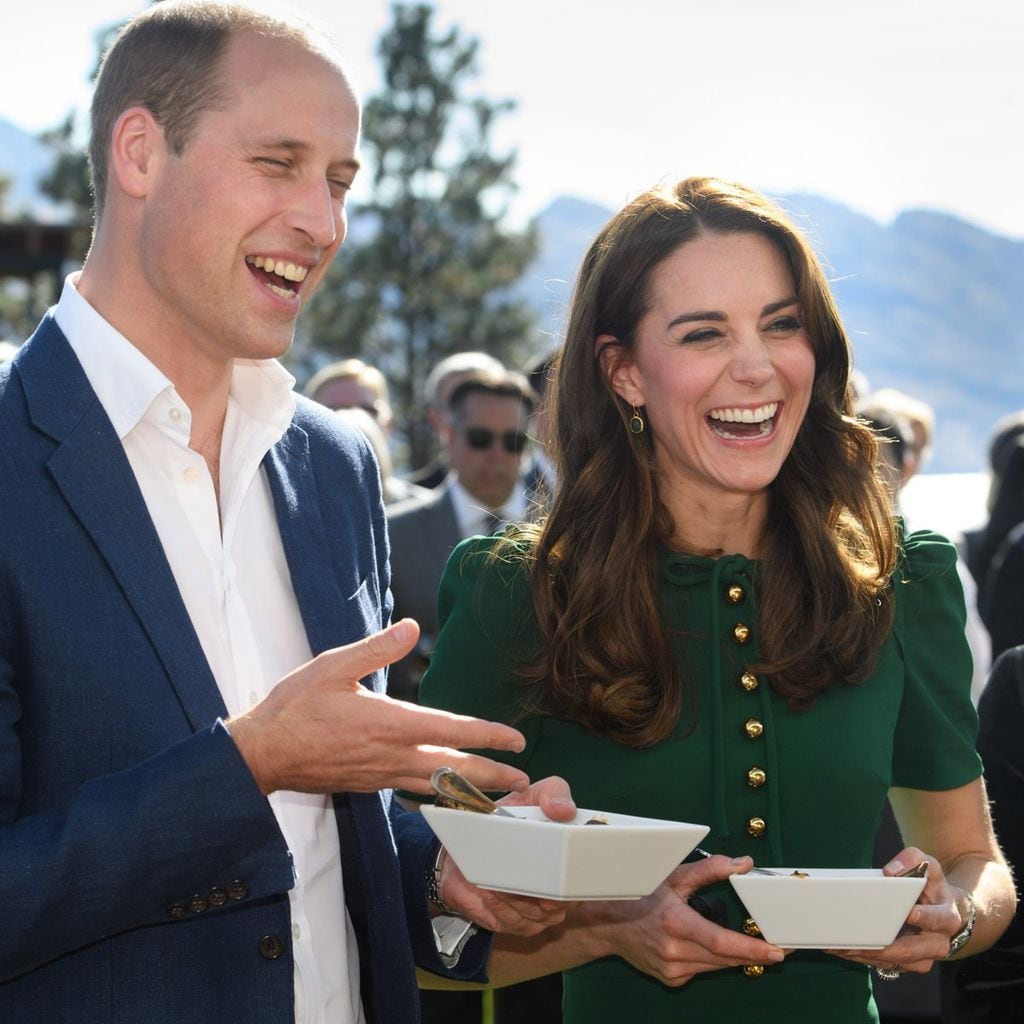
930 926
663 936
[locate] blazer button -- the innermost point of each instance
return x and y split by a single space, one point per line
750 928
177 911
197 904
757 827
749 682
754 970
217 897
756 777
741 633
271 947
237 890
735 594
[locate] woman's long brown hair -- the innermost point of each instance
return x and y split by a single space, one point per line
605 658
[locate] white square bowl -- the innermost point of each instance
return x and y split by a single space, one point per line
529 854
832 908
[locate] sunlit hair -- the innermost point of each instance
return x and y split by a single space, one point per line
606 659
167 59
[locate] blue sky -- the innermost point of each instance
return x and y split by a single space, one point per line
881 104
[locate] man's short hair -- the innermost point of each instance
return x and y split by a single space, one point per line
167 59
507 384
456 365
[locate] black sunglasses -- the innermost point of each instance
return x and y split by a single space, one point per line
513 441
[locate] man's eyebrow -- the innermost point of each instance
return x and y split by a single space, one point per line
717 315
298 146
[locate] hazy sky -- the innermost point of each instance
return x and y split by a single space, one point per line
881 104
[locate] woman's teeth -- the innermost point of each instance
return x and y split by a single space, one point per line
760 419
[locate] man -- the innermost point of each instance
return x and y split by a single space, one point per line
437 390
352 384
484 433
170 565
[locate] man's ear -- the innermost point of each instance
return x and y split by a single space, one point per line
137 145
619 369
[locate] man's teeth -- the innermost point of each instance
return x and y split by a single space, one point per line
759 415
289 271
285 293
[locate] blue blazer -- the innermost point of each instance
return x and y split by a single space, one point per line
142 874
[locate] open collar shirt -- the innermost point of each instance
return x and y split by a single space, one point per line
229 564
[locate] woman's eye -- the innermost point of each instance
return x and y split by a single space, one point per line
701 334
785 323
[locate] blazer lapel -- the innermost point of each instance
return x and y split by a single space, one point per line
91 470
304 536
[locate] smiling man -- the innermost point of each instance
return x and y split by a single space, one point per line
193 628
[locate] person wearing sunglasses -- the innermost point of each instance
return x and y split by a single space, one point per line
484 436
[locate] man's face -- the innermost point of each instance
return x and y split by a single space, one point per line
346 393
238 231
490 473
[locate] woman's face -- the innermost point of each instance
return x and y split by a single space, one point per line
722 366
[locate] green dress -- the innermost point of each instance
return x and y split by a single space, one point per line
787 788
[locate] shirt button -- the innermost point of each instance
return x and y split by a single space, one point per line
741 633
749 682
735 594
753 729
191 474
175 413
757 827
254 699
271 947
296 932
756 777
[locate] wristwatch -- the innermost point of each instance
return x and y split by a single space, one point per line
963 936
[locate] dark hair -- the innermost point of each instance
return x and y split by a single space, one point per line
167 59
507 384
605 660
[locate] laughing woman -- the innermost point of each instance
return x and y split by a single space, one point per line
721 621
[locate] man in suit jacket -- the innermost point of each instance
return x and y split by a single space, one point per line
485 435
196 754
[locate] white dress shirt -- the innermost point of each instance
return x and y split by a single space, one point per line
473 517
229 565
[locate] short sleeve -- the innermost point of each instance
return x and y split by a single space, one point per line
486 631
937 728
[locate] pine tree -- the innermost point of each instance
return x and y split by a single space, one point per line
435 272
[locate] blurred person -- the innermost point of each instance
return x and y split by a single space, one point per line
395 489
196 753
484 434
1005 495
437 389
8 350
352 384
900 448
721 621
539 474
989 988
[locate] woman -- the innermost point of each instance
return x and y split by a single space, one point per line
720 622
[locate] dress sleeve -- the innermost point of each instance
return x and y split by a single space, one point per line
934 745
486 631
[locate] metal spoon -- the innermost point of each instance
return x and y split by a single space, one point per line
753 870
460 794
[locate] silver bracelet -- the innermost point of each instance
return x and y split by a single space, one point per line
433 876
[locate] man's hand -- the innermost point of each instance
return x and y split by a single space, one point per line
321 731
502 911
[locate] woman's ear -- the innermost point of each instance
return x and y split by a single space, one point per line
619 369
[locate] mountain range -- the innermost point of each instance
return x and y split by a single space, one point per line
933 304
